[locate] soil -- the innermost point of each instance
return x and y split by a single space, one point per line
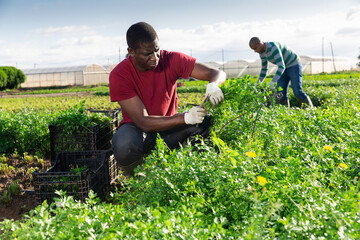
12 95
22 200
17 207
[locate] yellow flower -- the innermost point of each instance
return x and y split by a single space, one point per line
329 148
250 154
261 180
343 165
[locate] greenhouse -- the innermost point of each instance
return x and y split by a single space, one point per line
109 68
92 74
311 65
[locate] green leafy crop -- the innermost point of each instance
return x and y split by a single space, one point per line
77 117
265 173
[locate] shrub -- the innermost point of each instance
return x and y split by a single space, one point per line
11 77
3 79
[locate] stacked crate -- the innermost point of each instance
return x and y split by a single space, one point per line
90 147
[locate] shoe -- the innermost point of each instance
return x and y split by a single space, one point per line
308 102
285 102
128 171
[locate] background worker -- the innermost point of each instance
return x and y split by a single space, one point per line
289 69
144 85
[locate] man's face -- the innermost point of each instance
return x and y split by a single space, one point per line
146 56
258 48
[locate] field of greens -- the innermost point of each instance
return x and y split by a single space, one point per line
265 173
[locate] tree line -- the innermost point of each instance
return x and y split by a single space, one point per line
11 78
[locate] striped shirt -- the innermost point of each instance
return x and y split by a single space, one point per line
280 55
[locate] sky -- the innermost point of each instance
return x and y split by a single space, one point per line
59 33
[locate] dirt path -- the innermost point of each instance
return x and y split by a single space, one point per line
6 95
20 204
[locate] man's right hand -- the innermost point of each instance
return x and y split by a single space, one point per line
195 115
272 86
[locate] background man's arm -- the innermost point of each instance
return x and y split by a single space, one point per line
263 71
279 60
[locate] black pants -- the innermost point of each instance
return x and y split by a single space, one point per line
130 143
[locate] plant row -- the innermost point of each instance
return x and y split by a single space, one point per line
27 131
265 173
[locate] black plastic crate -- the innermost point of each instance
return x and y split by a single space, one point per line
113 168
62 176
95 137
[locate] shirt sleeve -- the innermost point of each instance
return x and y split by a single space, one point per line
181 64
279 60
120 86
264 69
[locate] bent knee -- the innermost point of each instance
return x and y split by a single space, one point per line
120 144
126 151
300 94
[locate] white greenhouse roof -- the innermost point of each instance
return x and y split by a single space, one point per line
54 69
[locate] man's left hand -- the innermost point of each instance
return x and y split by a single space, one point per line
272 86
214 93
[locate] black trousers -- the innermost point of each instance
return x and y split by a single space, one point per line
130 144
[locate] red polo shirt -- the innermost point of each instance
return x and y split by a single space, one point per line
156 88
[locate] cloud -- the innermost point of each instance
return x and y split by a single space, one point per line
353 13
304 35
64 51
210 40
74 45
50 31
350 25
350 31
85 50
19 53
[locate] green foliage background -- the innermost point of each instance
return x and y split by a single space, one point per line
11 78
27 131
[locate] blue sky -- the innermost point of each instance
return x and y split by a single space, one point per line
56 33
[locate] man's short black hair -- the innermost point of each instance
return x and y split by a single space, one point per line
254 40
140 32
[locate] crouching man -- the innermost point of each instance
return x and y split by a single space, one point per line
144 85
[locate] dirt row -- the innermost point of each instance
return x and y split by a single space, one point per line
8 95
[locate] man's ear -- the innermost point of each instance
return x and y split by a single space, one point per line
131 52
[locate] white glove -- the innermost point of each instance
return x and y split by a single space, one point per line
214 93
272 86
195 115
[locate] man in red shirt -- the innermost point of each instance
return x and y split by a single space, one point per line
144 85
